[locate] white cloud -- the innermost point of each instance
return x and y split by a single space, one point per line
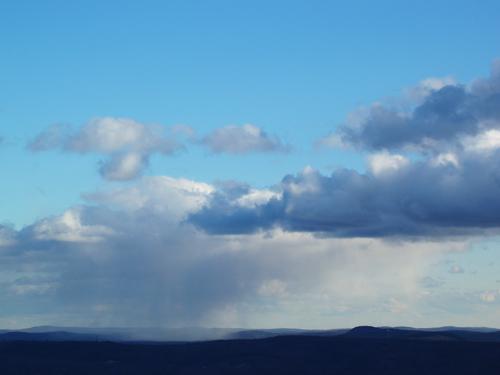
384 163
242 140
256 196
109 134
172 197
123 167
68 227
447 158
484 142
128 144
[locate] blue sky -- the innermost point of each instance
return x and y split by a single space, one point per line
298 71
295 69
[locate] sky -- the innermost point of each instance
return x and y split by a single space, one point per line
309 164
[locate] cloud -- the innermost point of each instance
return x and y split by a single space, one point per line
456 269
127 144
124 167
311 250
242 140
489 296
446 113
425 87
69 227
484 142
384 162
448 186
55 136
129 258
172 198
108 135
7 236
396 197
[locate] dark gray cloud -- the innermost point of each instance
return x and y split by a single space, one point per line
242 140
423 198
445 115
452 190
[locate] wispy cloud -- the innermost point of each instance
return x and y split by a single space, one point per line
243 139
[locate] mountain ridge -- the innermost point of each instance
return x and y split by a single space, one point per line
194 334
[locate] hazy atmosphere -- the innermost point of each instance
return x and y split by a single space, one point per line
308 164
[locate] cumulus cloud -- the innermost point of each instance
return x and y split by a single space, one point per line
126 166
313 245
449 188
396 198
127 144
172 198
446 113
69 227
242 140
425 87
129 258
384 162
485 142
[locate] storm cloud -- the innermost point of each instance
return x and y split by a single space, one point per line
441 196
165 251
128 258
448 186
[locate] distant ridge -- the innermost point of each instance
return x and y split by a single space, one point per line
445 333
47 336
194 334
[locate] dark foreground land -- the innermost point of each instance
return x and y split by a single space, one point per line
277 355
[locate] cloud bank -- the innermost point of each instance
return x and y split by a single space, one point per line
449 186
434 197
341 248
129 258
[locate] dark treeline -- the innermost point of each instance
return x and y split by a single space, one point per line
283 355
